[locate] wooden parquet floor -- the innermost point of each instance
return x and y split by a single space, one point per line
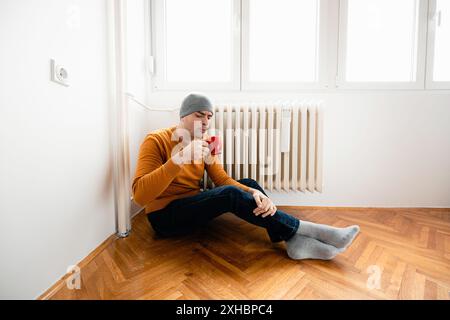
399 254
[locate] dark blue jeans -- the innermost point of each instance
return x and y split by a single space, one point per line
181 216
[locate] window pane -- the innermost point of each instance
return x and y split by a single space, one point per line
283 40
199 40
442 42
382 40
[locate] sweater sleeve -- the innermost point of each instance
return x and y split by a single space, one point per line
152 176
220 177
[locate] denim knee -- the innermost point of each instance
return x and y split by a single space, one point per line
248 182
233 190
237 193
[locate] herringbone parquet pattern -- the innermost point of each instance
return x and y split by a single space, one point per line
399 254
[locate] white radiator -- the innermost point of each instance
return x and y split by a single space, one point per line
277 144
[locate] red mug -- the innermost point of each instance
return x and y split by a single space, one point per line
214 145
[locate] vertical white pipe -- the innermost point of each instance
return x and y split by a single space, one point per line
120 118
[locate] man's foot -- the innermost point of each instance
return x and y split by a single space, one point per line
301 247
337 237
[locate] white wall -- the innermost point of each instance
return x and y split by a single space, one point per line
137 79
56 188
381 149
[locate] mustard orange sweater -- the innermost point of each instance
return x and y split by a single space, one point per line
158 180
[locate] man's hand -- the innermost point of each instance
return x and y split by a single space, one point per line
265 206
194 152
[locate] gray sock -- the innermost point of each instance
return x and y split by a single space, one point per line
300 247
338 237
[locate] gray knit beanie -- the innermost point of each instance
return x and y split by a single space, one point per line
195 102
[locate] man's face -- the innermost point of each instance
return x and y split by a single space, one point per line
197 122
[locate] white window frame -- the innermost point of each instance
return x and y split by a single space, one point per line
430 83
332 54
323 63
419 84
159 82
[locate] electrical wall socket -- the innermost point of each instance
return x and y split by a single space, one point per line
59 74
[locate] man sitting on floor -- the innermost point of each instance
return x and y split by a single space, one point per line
172 162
